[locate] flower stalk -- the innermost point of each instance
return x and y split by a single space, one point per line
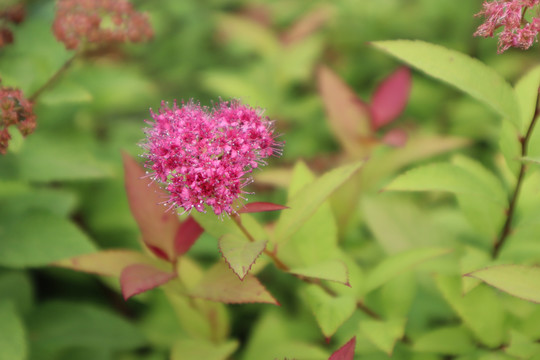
524 141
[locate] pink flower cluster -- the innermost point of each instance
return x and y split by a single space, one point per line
202 155
510 15
16 110
99 21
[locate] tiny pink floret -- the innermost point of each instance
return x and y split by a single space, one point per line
203 156
510 16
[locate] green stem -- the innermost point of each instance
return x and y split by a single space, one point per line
507 227
282 266
53 79
279 264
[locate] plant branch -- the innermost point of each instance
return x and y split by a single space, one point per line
507 228
53 79
279 264
282 266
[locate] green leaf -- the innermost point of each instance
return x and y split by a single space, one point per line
399 263
13 339
159 322
196 349
521 346
106 262
240 253
334 270
38 239
200 318
383 334
411 226
52 157
493 185
320 228
65 93
278 335
396 297
16 286
18 201
222 285
230 83
527 94
61 324
301 176
446 177
417 148
480 310
471 260
85 353
487 220
309 199
296 61
465 73
450 340
252 35
330 312
516 280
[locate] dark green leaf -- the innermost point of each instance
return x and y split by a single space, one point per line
13 340
66 324
38 239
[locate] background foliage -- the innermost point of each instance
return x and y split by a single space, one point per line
62 189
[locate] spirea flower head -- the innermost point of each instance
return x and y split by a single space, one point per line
99 22
16 110
510 16
205 155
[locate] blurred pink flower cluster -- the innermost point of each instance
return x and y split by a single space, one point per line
13 14
16 110
510 15
202 155
99 21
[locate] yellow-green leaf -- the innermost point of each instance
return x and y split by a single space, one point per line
465 73
516 280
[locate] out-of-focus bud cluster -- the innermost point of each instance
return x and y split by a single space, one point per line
99 22
13 14
16 110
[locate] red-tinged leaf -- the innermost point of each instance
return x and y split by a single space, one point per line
390 98
138 278
255 207
307 25
348 115
395 138
222 285
158 226
346 352
187 234
106 262
240 253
